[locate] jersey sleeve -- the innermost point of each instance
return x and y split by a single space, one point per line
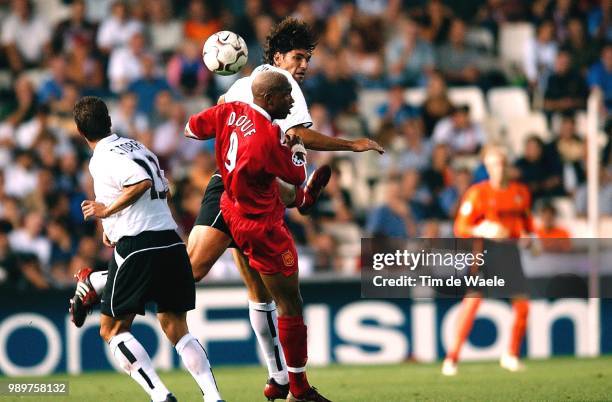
123 171
299 114
283 165
468 213
203 126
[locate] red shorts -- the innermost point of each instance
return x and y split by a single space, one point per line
268 244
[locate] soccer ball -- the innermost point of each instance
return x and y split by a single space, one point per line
225 53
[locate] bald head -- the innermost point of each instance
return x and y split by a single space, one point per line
268 82
272 92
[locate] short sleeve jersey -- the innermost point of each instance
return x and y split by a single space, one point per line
249 155
298 115
119 162
510 207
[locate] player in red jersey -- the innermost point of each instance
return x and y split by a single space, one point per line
494 209
250 157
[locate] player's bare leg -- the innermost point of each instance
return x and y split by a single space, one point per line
465 321
510 360
264 321
204 246
292 334
132 357
192 353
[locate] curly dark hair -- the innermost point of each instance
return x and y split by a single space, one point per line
288 35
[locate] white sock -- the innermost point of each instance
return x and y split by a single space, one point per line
135 361
264 321
195 359
98 281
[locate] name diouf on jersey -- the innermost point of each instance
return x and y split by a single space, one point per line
243 123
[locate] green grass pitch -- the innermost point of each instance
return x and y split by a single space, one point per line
559 379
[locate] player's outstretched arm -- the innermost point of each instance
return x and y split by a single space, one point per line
129 195
320 142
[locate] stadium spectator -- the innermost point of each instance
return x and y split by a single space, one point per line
540 54
450 197
263 26
29 133
333 87
29 238
125 63
600 75
185 72
416 150
51 89
117 30
583 50
127 121
566 154
9 269
74 28
84 69
604 194
244 24
167 135
61 110
21 177
25 36
164 31
404 208
460 63
335 203
396 110
435 21
200 24
553 237
464 136
63 248
363 57
148 85
21 105
437 104
408 57
536 172
566 90
439 173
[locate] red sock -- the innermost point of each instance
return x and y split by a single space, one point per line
292 335
521 311
469 308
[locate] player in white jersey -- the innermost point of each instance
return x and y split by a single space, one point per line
288 50
150 261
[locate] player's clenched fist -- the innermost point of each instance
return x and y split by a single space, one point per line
296 145
93 209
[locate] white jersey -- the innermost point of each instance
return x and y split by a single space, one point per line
241 91
118 162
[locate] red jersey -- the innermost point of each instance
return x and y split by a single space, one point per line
249 156
510 207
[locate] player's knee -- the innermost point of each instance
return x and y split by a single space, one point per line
290 308
107 332
287 193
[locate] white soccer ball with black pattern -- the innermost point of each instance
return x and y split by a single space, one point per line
225 53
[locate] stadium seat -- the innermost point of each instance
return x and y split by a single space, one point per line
480 38
471 96
493 128
507 103
522 127
368 102
415 96
512 41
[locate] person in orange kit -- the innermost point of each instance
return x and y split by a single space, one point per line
553 237
494 209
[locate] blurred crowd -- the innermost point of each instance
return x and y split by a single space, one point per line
144 57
